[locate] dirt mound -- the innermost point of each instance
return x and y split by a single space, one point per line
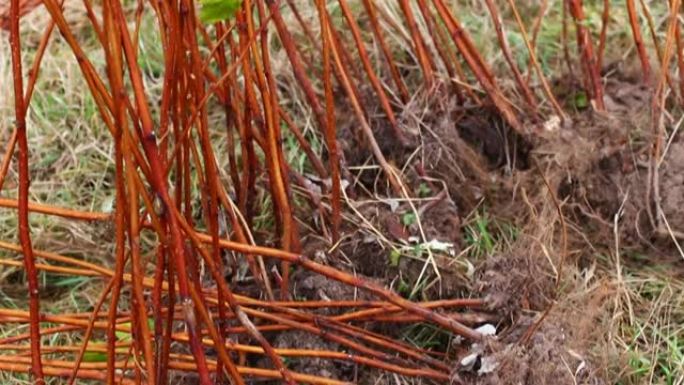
547 357
461 159
599 166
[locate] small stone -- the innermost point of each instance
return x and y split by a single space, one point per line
486 330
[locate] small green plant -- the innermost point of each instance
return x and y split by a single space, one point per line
639 364
479 236
426 336
403 288
424 190
484 234
581 101
409 218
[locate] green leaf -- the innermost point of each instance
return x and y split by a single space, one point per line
408 219
94 357
424 190
485 236
581 100
395 256
218 10
403 287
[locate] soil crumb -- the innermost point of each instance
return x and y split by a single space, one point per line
511 283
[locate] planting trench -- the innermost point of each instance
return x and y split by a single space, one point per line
468 164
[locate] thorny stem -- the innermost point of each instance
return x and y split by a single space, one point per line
352 93
443 48
234 306
503 43
537 67
605 20
424 58
274 155
639 41
160 186
477 65
379 38
297 68
330 128
36 368
372 76
589 60
656 43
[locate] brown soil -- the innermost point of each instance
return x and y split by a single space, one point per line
512 283
468 158
672 187
313 366
547 357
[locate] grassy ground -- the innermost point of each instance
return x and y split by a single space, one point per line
639 304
